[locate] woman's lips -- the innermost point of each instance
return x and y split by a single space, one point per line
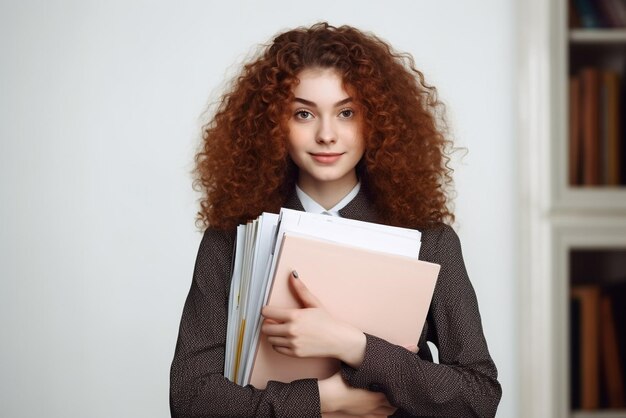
326 157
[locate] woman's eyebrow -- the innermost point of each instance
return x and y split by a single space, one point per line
313 104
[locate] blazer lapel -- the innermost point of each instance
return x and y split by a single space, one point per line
293 202
360 208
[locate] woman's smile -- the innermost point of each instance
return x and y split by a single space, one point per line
326 157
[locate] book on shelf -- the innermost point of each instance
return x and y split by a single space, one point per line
596 137
573 17
590 100
611 134
587 299
574 352
597 346
611 13
622 134
617 295
610 356
363 273
597 14
586 13
575 143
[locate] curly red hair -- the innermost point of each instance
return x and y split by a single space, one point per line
243 167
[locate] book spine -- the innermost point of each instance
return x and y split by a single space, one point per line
590 99
589 297
619 9
603 128
588 14
574 360
612 151
573 17
612 364
607 13
622 134
574 131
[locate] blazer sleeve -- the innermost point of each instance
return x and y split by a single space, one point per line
465 382
197 385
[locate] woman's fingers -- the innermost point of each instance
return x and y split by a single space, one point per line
284 350
385 410
279 341
311 330
278 314
308 299
277 330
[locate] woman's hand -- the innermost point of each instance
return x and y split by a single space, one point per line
337 396
311 331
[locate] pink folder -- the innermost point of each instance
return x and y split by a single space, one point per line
382 294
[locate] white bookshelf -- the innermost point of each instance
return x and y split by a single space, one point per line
597 36
556 218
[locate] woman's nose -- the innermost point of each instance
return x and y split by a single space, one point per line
326 133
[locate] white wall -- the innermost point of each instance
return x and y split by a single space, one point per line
99 115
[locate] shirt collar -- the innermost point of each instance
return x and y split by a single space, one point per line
360 208
312 206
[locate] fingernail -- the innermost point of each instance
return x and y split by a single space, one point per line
295 274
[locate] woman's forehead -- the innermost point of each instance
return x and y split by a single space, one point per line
322 86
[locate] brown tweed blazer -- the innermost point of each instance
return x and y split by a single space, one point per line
464 384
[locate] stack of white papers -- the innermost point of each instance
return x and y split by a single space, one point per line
257 251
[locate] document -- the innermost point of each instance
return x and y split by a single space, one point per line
381 294
332 251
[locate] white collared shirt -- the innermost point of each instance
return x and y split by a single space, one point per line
312 206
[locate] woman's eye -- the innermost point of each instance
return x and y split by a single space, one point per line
303 114
346 113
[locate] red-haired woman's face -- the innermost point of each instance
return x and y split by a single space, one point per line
325 132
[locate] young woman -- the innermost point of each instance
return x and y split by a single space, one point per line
331 120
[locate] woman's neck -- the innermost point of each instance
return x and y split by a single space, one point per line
327 194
